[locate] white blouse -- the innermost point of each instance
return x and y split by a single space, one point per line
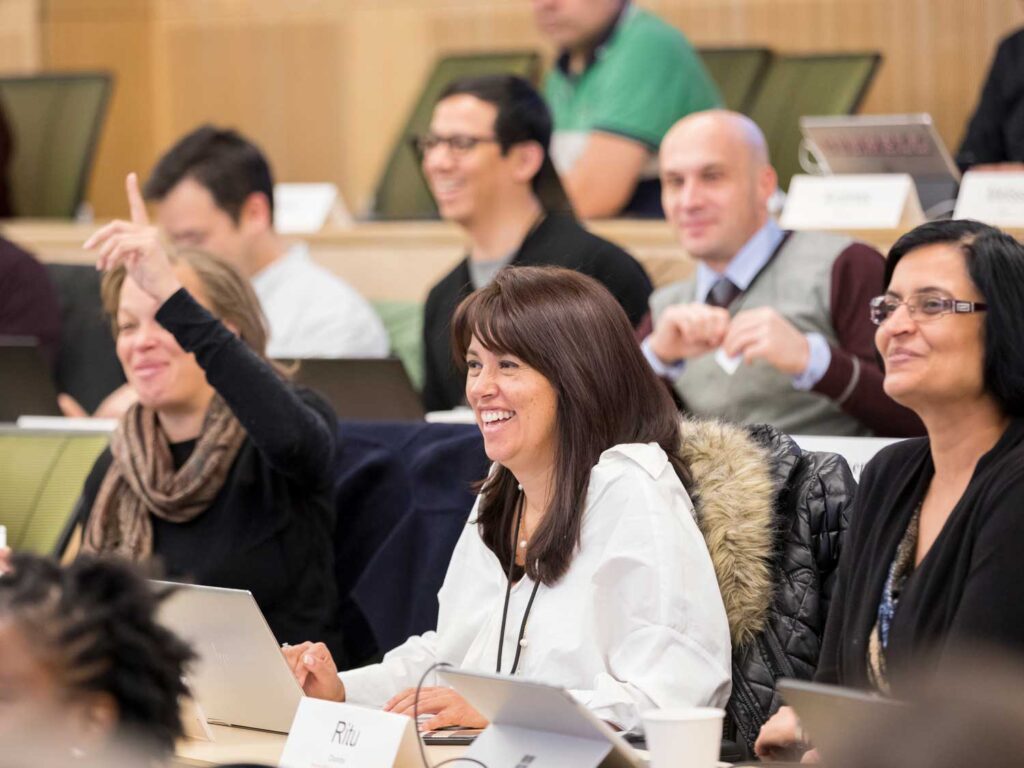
636 622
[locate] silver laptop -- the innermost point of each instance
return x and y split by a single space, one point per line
827 711
885 144
532 716
240 677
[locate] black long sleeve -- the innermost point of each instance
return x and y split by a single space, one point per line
293 437
995 133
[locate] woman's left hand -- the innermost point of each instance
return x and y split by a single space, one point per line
138 246
448 707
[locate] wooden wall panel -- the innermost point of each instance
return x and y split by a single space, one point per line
112 35
19 36
325 85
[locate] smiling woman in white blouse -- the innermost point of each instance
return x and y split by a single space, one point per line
581 564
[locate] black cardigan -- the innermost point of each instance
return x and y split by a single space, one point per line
270 529
559 241
968 589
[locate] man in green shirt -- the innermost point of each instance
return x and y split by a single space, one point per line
623 77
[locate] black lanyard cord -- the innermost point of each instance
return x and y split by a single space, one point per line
508 595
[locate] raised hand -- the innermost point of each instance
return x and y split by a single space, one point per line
137 245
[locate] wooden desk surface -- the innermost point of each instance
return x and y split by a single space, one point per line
402 260
243 745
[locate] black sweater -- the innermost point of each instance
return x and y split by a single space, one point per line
270 529
968 589
559 241
996 131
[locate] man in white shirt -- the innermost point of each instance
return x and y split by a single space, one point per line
214 190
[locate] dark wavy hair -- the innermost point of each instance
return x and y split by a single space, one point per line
94 623
571 330
995 263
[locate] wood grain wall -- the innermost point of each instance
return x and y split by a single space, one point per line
325 85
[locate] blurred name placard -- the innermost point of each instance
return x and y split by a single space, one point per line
851 202
301 209
995 198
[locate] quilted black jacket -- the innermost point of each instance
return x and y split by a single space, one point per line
813 497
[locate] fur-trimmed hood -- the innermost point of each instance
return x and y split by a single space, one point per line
734 496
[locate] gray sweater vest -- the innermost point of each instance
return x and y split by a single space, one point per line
797 283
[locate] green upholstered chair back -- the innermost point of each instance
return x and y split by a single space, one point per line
41 477
794 86
55 123
402 192
403 321
737 72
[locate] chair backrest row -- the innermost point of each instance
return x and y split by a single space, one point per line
54 124
776 90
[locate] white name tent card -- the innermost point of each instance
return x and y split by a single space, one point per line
994 197
851 202
326 733
857 451
301 209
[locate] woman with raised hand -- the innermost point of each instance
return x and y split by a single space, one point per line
932 560
222 470
581 564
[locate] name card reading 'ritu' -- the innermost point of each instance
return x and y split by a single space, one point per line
995 198
330 735
852 201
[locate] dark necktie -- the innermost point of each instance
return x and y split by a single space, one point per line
722 293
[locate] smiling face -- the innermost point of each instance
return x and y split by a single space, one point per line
715 186
515 407
468 186
942 359
158 369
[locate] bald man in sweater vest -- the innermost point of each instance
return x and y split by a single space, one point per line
774 326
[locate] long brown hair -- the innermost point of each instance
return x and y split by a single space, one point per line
570 329
230 297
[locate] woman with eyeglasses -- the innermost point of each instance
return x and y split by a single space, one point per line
934 558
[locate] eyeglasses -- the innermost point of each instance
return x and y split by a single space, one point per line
458 144
923 307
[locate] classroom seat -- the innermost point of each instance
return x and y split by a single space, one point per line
403 320
55 122
87 364
426 474
41 477
737 72
794 86
402 192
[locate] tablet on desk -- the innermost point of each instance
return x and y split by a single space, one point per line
545 718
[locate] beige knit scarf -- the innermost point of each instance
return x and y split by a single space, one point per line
142 481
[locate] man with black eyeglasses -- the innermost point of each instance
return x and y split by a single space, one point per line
485 158
775 327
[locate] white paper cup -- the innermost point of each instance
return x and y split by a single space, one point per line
684 737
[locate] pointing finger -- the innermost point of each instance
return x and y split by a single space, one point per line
135 202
